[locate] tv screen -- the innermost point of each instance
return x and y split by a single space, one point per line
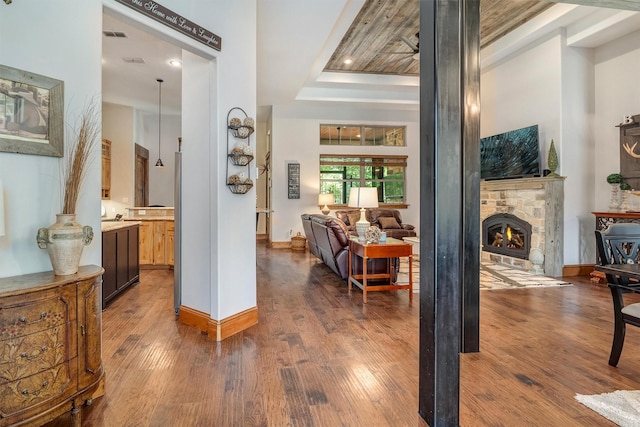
513 154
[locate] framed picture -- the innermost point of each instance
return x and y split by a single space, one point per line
293 180
31 113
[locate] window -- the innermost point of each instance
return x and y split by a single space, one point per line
362 135
387 173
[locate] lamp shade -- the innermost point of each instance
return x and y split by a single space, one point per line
325 199
363 197
2 231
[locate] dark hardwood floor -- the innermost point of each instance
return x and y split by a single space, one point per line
319 357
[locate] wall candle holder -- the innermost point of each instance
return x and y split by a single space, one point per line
241 155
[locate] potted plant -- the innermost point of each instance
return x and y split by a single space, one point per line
65 239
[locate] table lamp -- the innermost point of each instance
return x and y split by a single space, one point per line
324 200
363 197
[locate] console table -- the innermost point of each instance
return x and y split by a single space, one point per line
603 219
50 345
393 248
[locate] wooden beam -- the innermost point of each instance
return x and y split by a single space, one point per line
443 222
612 4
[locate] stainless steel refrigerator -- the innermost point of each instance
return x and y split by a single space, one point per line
177 242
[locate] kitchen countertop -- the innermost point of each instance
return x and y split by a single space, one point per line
115 225
150 218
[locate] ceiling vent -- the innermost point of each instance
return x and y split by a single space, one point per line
134 60
114 34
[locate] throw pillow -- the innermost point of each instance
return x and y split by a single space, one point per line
353 218
388 222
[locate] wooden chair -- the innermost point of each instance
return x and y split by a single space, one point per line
619 244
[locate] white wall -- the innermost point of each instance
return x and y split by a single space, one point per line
550 85
69 50
525 90
161 180
117 127
295 137
616 93
576 151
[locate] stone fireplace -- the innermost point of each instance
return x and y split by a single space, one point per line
518 215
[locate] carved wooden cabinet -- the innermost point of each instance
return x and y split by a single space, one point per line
50 345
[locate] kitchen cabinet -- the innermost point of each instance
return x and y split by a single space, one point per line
50 345
156 242
170 243
106 169
120 259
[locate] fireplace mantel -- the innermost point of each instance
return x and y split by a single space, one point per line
539 201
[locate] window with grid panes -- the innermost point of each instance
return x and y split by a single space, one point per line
338 173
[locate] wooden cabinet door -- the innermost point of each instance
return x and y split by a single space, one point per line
159 253
122 257
109 280
89 318
134 257
170 242
146 242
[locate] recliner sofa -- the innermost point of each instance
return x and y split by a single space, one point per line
387 220
328 239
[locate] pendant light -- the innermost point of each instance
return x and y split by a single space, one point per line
159 163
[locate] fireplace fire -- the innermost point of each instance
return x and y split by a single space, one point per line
506 234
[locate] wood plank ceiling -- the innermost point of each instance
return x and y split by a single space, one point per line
375 44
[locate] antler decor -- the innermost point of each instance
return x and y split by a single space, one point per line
631 150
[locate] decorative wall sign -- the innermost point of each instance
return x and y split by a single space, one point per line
171 19
31 113
293 180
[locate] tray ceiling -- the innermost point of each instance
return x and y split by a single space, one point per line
374 41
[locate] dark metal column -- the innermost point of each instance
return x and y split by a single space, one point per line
444 223
470 52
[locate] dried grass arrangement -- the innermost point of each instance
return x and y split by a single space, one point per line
81 143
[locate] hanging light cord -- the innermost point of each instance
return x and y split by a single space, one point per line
159 162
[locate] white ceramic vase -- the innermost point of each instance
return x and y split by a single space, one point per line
614 203
64 242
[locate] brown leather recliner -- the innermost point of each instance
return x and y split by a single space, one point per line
387 220
328 239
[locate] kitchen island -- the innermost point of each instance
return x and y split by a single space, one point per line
120 257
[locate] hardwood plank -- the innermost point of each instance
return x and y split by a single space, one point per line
350 364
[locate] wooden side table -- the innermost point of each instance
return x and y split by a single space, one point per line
393 248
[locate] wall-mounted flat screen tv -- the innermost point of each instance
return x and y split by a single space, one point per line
513 154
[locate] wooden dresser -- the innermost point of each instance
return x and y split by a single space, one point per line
50 345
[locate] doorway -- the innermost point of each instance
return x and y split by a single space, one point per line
141 176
